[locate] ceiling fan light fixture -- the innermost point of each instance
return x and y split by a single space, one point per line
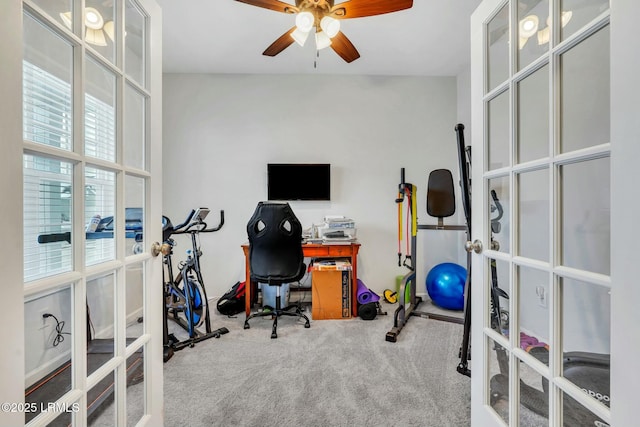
66 19
330 26
95 37
322 40
300 36
109 30
566 17
543 36
96 28
305 21
93 19
528 26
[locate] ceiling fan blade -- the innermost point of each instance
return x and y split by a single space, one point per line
283 42
277 5
343 47
361 8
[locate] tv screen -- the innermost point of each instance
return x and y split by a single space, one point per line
298 181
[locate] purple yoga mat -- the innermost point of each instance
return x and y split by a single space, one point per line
364 295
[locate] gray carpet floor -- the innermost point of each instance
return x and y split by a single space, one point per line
336 373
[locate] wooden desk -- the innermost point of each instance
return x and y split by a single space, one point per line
315 250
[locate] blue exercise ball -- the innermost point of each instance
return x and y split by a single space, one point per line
445 285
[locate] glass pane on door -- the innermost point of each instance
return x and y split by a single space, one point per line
48 206
100 321
136 404
47 77
533 312
586 337
498 372
584 92
576 415
577 13
134 132
533 214
499 153
48 323
134 301
99 21
499 200
498 49
532 21
134 214
500 295
534 397
58 10
100 203
586 215
533 116
100 116
100 398
135 41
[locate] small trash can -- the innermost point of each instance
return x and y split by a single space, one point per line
269 295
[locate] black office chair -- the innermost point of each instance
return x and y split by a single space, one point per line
275 255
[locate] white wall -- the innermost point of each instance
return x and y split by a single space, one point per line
220 131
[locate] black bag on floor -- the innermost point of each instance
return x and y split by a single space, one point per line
232 302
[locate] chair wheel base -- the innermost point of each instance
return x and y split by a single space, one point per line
307 325
246 325
274 336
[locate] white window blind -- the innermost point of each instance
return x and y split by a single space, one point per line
100 194
47 217
48 202
46 108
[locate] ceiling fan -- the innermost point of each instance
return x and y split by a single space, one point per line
324 16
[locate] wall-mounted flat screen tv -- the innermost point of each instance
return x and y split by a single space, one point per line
299 181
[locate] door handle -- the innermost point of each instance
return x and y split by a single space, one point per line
475 246
156 248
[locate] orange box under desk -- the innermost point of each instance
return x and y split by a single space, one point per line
331 292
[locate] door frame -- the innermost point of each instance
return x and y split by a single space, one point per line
625 208
480 416
12 363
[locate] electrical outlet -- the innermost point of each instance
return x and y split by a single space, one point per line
541 292
44 323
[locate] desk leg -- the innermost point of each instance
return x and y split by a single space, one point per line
354 284
247 287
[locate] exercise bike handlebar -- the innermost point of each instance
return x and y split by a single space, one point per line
178 227
188 226
216 228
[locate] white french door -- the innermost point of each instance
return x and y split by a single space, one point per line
542 210
86 78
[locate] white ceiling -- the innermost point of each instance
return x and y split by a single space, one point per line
226 36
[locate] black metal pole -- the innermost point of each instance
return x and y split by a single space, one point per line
466 205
